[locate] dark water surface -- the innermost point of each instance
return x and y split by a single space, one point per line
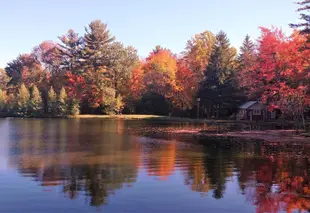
108 166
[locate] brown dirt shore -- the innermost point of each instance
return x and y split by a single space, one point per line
275 136
271 136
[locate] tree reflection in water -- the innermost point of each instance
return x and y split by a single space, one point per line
62 156
96 159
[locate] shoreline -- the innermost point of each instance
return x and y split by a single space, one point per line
278 135
166 118
177 119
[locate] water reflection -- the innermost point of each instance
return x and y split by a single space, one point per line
161 159
68 154
280 181
95 159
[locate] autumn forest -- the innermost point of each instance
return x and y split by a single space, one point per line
95 73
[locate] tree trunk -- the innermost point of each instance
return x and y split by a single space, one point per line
115 87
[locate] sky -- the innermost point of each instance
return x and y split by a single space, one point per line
139 23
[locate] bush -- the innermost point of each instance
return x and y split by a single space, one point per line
110 104
153 103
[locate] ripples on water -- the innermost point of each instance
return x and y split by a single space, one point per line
111 166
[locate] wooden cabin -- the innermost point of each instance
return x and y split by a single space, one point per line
254 111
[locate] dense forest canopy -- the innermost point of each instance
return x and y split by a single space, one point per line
96 73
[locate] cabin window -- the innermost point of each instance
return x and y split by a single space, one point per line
256 112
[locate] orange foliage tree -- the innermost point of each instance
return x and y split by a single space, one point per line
186 86
280 73
75 86
28 70
136 85
160 72
198 51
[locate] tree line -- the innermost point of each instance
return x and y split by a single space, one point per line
97 74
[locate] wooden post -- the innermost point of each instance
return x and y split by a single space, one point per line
198 105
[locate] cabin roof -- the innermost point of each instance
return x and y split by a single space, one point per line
248 104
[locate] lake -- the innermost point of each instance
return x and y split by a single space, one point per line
93 165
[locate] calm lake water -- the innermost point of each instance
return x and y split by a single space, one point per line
89 165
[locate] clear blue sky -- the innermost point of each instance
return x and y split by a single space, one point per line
140 23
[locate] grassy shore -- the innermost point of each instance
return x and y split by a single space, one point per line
182 120
125 117
147 117
158 117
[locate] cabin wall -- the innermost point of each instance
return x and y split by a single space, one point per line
255 115
257 112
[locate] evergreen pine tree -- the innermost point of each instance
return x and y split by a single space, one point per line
246 60
247 54
96 39
70 51
22 101
74 108
62 103
304 16
52 102
216 90
304 26
36 103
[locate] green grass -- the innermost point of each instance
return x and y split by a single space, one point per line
156 117
126 117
